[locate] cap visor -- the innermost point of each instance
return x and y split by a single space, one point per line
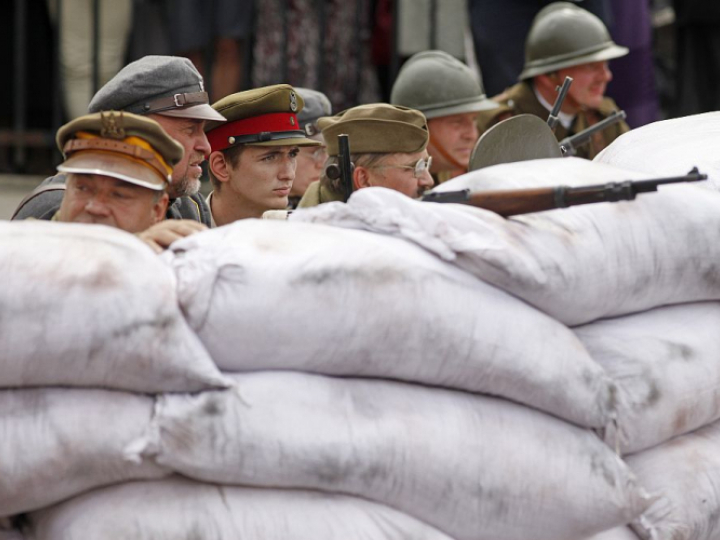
114 166
197 112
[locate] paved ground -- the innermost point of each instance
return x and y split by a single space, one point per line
12 189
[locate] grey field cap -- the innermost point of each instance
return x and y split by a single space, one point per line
167 85
316 106
438 84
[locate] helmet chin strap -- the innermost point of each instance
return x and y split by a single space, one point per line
446 155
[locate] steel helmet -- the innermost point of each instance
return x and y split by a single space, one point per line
564 35
438 84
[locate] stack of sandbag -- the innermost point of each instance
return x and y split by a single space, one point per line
665 363
89 322
670 147
651 264
345 311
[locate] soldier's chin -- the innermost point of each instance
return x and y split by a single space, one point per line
185 187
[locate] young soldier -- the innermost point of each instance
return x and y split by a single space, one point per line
254 155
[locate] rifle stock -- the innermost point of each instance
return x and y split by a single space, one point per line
513 202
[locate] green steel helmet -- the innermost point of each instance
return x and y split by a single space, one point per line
564 35
438 84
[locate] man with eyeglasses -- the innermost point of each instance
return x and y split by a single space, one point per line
254 155
388 146
311 160
565 41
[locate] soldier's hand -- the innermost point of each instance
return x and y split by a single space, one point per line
164 233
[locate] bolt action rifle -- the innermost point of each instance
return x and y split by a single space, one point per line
525 201
569 145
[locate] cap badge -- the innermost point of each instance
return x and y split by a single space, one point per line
231 140
112 127
292 121
293 102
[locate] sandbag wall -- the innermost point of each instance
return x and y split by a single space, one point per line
446 378
638 284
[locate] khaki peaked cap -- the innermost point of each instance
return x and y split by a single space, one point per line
377 128
121 145
264 116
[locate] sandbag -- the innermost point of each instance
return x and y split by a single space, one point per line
619 533
666 363
670 147
89 305
684 473
577 264
175 509
278 295
56 443
474 467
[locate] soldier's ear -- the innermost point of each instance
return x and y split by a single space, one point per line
219 166
361 178
160 207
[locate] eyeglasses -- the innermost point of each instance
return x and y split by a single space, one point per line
318 155
418 169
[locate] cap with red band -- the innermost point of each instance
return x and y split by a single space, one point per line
260 117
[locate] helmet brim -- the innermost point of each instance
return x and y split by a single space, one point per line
478 105
610 52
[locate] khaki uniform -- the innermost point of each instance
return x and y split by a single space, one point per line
521 99
317 194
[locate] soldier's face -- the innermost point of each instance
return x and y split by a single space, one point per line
310 164
191 134
589 83
396 172
103 200
260 180
456 135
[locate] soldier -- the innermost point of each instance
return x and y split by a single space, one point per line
565 40
169 90
388 145
450 96
118 166
254 155
311 159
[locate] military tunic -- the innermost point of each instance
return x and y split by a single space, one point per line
317 194
45 200
521 99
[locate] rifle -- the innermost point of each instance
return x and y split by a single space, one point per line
343 169
525 201
569 145
553 119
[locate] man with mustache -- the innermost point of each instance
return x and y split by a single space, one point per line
565 41
170 91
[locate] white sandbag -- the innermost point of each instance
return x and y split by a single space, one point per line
577 264
670 147
473 466
619 533
56 443
685 473
88 305
278 295
175 509
666 363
